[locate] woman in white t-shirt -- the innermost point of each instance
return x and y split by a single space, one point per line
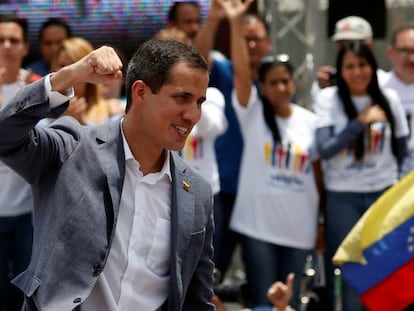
361 137
276 206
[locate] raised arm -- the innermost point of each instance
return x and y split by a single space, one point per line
204 41
21 143
99 66
235 11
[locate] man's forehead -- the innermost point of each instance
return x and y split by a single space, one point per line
407 34
254 25
7 26
182 75
186 8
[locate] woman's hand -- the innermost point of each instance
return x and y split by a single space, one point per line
372 114
235 8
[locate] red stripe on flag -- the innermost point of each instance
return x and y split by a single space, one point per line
395 292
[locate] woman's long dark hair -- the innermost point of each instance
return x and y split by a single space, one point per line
267 63
362 50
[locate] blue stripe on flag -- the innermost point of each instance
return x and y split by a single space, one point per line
383 258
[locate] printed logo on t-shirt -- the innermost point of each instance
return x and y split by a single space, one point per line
374 139
193 149
290 164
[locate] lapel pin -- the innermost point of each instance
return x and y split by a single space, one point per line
186 186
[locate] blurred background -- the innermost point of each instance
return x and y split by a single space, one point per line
301 28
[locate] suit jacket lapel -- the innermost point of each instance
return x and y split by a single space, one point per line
110 143
182 218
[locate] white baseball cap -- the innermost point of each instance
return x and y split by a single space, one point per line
352 28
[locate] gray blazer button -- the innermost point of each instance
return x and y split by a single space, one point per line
77 300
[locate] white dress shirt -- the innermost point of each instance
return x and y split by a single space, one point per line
136 274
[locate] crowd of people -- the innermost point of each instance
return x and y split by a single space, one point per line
128 184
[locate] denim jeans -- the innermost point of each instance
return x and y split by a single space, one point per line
16 234
342 211
266 263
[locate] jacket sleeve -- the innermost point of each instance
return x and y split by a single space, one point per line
30 150
200 290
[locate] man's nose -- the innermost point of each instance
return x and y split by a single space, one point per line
193 113
411 57
6 43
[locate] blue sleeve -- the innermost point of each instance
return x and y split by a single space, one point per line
403 160
262 308
221 75
329 144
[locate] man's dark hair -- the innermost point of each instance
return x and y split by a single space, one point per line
172 12
13 18
57 22
153 60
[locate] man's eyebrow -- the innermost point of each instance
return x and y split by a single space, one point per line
182 93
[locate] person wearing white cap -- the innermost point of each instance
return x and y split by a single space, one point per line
350 28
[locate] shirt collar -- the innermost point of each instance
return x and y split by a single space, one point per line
166 170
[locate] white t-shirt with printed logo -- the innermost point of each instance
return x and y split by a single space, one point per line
406 94
277 192
378 168
199 151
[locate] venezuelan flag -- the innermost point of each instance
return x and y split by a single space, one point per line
377 256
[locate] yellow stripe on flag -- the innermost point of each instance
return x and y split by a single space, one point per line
393 208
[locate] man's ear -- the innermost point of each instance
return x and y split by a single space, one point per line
139 88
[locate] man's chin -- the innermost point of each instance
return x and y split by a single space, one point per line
177 147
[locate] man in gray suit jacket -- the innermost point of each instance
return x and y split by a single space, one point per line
120 222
